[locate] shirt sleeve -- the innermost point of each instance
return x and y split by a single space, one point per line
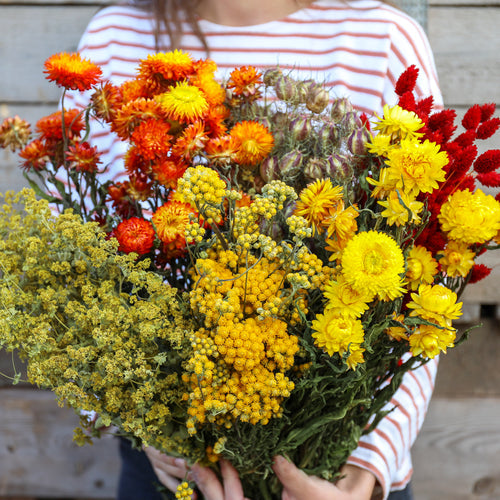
386 450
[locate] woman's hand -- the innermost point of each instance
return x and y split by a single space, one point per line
169 470
207 482
356 483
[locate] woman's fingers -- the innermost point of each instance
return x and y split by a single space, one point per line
208 483
170 470
232 484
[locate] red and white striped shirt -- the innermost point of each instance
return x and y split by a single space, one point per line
357 48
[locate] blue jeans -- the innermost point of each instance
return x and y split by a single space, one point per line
139 482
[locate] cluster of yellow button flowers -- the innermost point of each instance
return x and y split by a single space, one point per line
246 292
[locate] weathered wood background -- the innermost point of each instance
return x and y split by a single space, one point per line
457 455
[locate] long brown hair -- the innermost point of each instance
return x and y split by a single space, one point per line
169 16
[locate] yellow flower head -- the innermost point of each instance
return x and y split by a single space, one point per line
398 123
341 222
435 303
344 299
336 333
422 267
430 340
184 103
416 166
470 217
372 263
398 213
380 144
384 186
316 200
457 259
397 332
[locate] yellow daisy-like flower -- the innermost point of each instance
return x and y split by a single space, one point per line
470 217
457 259
380 144
397 332
435 303
398 213
184 103
343 299
384 186
341 222
398 123
316 200
422 267
171 220
336 333
372 263
253 142
430 340
416 166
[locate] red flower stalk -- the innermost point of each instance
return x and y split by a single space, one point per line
444 122
479 272
487 111
424 106
466 138
463 158
488 128
489 179
472 117
407 81
487 162
407 101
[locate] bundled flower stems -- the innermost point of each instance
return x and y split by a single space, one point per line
262 278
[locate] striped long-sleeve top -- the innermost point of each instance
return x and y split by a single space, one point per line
357 48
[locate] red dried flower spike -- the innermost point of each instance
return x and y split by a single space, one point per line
479 272
407 81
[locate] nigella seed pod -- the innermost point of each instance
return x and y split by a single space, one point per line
324 140
356 142
350 122
271 76
317 99
269 170
338 167
290 164
316 168
286 89
304 87
339 108
300 128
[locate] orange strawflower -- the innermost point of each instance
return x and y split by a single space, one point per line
134 89
204 78
71 71
135 235
253 142
51 127
106 100
14 133
221 150
131 114
135 163
168 172
170 221
83 157
244 82
151 138
36 155
162 69
191 142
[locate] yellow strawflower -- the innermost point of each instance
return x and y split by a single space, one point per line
373 263
470 217
416 167
429 341
399 207
422 267
343 299
183 102
457 259
398 123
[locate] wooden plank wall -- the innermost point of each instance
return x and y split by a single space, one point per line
457 455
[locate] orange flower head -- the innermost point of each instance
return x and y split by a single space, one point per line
205 80
106 100
170 221
191 142
135 163
139 187
254 142
83 157
134 89
244 82
71 71
167 172
135 235
151 138
36 155
221 150
130 115
162 69
14 133
51 127
183 102
214 120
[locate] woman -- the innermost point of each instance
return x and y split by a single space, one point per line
359 49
